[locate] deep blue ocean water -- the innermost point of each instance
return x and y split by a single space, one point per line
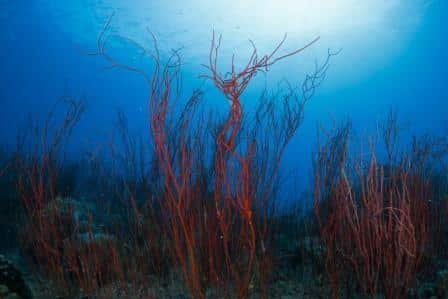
394 56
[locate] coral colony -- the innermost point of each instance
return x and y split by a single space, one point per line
192 211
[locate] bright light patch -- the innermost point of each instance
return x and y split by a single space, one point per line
370 31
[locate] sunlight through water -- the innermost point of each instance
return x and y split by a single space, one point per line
371 32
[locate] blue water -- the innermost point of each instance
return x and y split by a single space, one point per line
393 56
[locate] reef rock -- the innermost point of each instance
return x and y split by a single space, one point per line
12 284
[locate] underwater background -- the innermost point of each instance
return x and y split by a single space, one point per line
389 64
